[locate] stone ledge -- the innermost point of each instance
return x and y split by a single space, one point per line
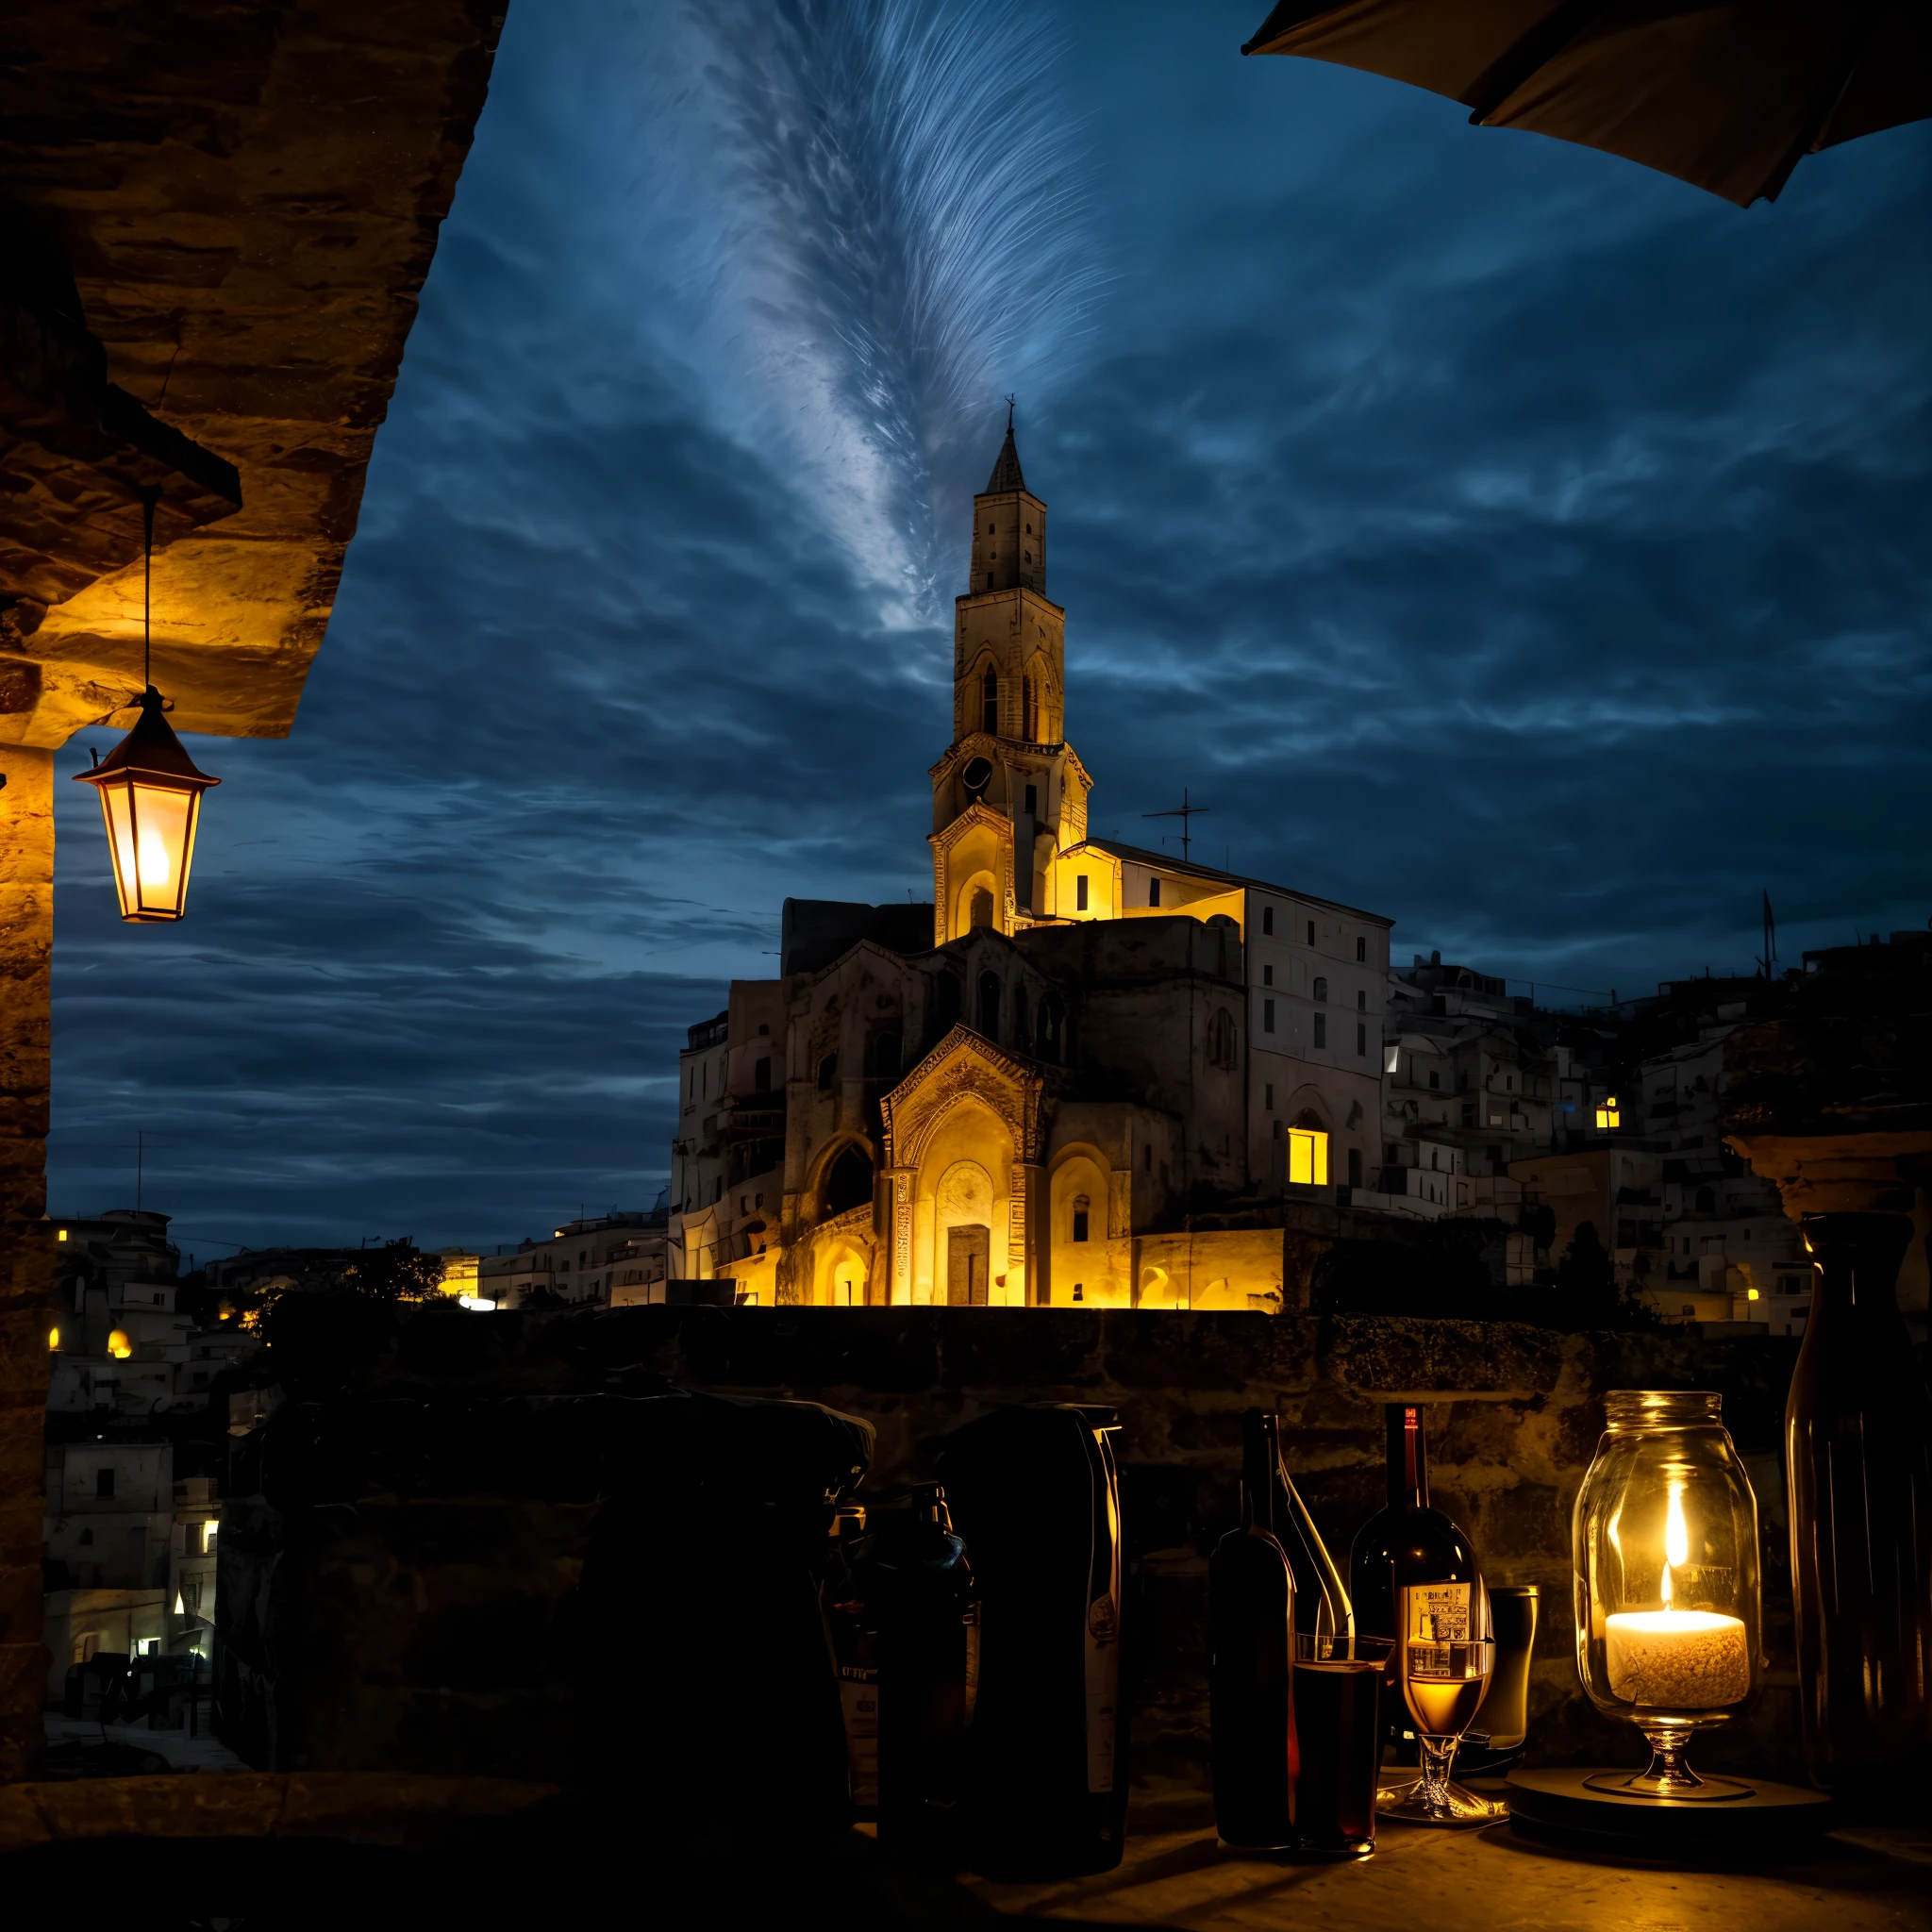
378 1809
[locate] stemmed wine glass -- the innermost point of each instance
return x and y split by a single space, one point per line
1444 1676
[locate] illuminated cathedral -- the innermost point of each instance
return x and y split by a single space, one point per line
1086 1074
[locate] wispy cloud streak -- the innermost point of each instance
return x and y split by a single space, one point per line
907 237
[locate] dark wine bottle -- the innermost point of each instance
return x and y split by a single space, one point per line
1406 1543
1321 1608
1035 1491
855 1640
1250 1681
913 1585
1859 1480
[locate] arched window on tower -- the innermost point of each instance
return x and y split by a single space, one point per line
990 695
990 1005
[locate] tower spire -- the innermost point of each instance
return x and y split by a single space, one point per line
1006 473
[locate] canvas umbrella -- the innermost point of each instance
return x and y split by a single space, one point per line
1727 95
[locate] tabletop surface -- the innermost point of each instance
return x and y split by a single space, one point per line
1488 1880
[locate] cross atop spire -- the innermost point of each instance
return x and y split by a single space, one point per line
1006 473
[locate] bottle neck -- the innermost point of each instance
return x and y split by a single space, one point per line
1409 1458
1261 1451
1858 1257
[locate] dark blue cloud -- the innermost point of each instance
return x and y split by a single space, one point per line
1494 534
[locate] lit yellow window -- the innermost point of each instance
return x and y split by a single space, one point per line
61 1236
1308 1157
119 1346
1750 1294
1607 1116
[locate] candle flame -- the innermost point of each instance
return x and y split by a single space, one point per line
1676 1538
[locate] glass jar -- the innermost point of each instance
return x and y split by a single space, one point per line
1669 1626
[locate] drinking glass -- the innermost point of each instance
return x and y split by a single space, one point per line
1337 1681
1445 1676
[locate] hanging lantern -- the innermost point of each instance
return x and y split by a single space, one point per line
151 799
150 789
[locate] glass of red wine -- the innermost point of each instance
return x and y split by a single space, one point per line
1337 1681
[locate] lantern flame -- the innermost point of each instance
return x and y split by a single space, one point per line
156 868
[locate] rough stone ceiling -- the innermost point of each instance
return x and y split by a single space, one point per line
247 197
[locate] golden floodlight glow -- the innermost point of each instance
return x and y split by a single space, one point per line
53 1337
151 801
1308 1157
119 1346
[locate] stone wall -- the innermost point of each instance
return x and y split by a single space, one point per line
410 1595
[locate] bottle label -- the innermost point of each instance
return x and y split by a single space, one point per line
858 1695
1439 1612
1103 1692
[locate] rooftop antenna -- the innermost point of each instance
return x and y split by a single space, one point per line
1770 960
1183 811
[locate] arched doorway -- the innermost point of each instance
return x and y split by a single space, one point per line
963 1204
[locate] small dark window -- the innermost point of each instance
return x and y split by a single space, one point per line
1080 1211
1029 529
945 1004
1267 1016
1361 949
1079 1292
1033 800
1355 1167
1051 1018
828 1072
1080 893
990 1005
1321 988
988 580
87 1537
1268 919
1435 1079
1154 891
1311 932
761 1075
1267 976
717 1189
104 1482
989 529
885 1057
1321 1029
1268 1097
1361 1040
1707 1201
989 691
1361 1001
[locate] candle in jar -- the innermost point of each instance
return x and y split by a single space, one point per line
1678 1660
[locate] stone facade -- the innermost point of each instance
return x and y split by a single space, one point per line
1033 1098
429 1627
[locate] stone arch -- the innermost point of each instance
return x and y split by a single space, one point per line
849 1149
842 1270
1079 1187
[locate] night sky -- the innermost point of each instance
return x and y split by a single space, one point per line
1494 534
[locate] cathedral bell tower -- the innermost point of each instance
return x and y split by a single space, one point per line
1009 792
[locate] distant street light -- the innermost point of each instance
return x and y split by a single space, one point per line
150 789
